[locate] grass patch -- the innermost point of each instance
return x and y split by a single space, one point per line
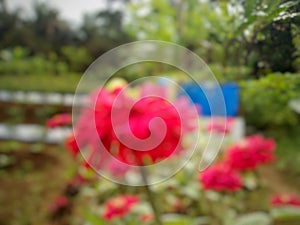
66 83
288 152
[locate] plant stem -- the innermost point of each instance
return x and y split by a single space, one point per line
151 196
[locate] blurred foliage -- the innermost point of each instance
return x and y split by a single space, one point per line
264 102
296 41
288 153
45 34
230 73
227 32
65 83
276 49
42 33
237 38
286 215
148 68
102 31
15 114
223 74
17 61
262 35
77 58
20 113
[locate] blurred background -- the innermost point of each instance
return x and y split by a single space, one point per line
46 46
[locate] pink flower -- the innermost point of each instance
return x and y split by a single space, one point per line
117 169
220 125
147 217
58 120
220 177
178 206
284 200
250 153
78 181
119 207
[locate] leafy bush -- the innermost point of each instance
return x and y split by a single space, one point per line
18 61
77 58
40 82
230 73
264 102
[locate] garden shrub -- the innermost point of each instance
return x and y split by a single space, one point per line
18 61
78 58
230 73
264 102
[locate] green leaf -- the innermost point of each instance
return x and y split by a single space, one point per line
175 219
288 213
203 220
257 218
277 9
250 20
250 7
272 5
94 219
191 190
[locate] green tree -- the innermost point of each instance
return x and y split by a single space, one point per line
103 30
49 31
10 24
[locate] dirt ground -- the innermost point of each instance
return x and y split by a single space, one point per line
31 182
278 181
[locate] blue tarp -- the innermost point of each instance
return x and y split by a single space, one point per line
208 97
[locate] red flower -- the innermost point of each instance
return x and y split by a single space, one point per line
141 115
119 207
63 119
265 148
221 177
251 152
71 145
59 204
242 157
284 200
131 121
